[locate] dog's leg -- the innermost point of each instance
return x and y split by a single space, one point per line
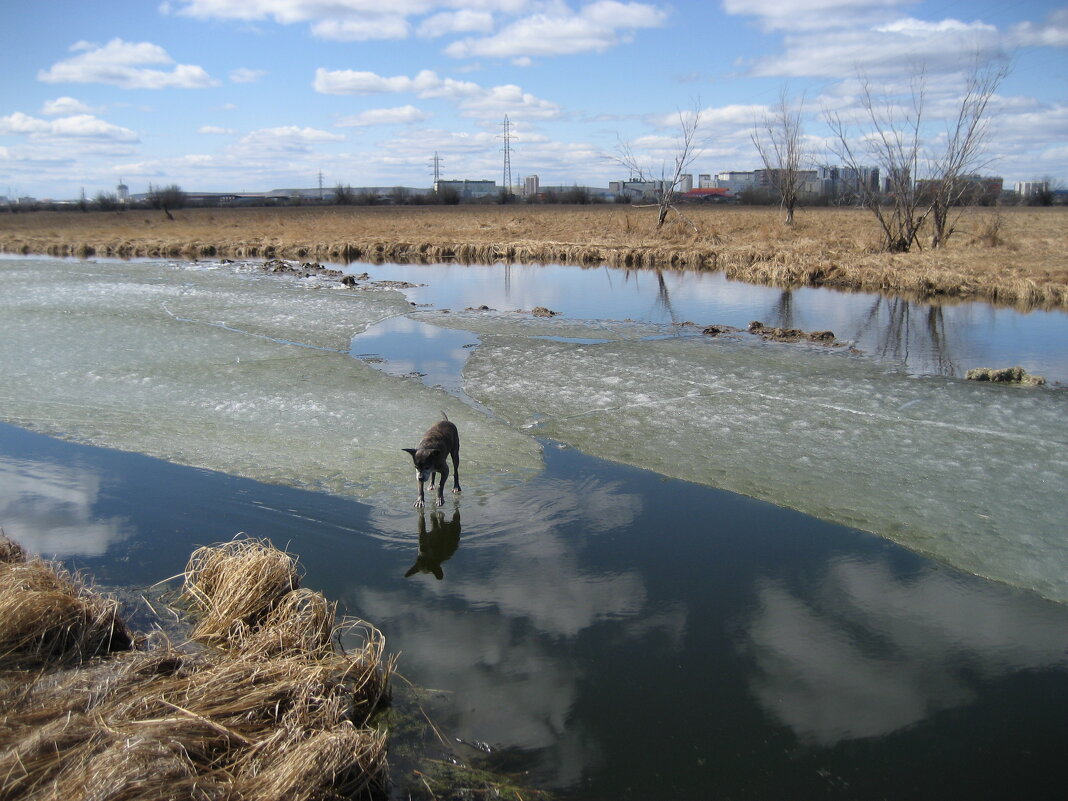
456 471
420 502
444 476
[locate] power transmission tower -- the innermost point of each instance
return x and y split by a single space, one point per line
507 177
436 163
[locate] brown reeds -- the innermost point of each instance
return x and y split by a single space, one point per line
266 709
48 617
1018 256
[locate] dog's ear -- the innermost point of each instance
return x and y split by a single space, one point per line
411 451
412 570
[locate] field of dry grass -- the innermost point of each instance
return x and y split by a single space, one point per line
1013 256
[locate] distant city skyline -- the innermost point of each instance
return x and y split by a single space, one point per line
231 95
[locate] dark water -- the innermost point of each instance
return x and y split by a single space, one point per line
609 634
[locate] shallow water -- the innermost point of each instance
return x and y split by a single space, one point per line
916 337
600 629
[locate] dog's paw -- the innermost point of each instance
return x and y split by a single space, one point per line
439 501
456 490
419 504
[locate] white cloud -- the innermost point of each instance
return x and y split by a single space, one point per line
363 29
508 99
19 123
473 100
246 75
214 130
815 14
1051 33
287 12
463 21
888 49
287 138
355 82
595 28
65 106
402 115
124 64
78 126
553 28
835 38
90 127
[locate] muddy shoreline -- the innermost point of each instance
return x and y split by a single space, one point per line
1024 266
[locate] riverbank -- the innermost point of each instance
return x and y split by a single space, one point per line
1010 257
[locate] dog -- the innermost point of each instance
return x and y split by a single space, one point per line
440 441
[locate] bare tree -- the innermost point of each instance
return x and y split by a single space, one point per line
665 181
889 140
964 149
778 139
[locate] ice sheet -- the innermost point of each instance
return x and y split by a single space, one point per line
971 474
196 366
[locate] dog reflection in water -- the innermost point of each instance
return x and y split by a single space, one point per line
436 545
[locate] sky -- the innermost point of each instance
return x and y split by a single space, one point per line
254 95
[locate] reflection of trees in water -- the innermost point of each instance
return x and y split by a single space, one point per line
782 312
662 304
899 326
663 297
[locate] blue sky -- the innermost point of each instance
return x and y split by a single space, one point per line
260 94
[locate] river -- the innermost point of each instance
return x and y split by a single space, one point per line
682 566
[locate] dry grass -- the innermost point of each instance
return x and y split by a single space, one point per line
49 617
268 711
1015 256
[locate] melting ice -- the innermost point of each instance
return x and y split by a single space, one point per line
240 373
252 375
971 474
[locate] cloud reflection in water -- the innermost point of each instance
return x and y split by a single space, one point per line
871 652
48 509
512 663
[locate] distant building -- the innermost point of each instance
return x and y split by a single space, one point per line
468 190
685 183
1030 189
530 186
636 190
847 182
123 191
709 194
704 181
735 182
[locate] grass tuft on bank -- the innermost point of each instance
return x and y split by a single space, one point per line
260 704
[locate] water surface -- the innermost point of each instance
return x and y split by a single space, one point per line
609 634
